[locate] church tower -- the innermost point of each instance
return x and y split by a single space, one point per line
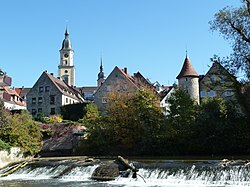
66 68
188 80
101 76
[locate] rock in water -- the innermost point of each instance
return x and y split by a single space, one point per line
106 172
113 169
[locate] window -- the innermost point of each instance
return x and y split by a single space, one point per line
66 71
41 89
203 93
228 92
33 100
212 79
47 89
212 93
52 99
66 78
33 111
52 111
67 100
40 110
108 88
40 99
104 100
222 80
186 79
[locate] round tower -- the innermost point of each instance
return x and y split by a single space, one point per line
188 80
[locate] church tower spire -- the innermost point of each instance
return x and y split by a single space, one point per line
101 76
66 68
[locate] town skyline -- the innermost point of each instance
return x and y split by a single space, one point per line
149 37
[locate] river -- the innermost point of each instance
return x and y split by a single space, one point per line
153 173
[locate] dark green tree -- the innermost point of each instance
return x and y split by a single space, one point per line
212 129
234 25
182 116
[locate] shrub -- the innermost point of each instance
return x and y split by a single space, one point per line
4 146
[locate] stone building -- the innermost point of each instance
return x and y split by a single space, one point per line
119 81
218 82
49 94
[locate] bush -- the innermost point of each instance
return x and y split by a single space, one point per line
4 146
22 132
73 112
49 120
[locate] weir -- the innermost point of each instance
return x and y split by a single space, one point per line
153 173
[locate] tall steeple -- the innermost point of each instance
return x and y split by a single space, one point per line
101 76
188 79
66 42
66 68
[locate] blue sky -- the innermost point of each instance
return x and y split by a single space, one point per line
150 36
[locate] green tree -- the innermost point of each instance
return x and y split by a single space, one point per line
221 128
212 130
150 120
182 116
22 132
234 25
132 125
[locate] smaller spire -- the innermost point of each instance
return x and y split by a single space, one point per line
66 31
101 73
101 66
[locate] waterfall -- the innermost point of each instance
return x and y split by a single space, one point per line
165 173
13 155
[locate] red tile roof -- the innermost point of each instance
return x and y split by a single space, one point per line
187 70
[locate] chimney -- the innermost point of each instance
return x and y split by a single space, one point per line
126 70
51 74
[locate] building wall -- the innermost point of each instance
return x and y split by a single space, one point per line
164 104
191 85
115 82
39 98
218 83
66 100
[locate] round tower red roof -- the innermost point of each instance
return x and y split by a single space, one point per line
187 70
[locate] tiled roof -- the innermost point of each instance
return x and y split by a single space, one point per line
64 88
11 92
22 91
187 70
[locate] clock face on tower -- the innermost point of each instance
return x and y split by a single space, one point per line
66 55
